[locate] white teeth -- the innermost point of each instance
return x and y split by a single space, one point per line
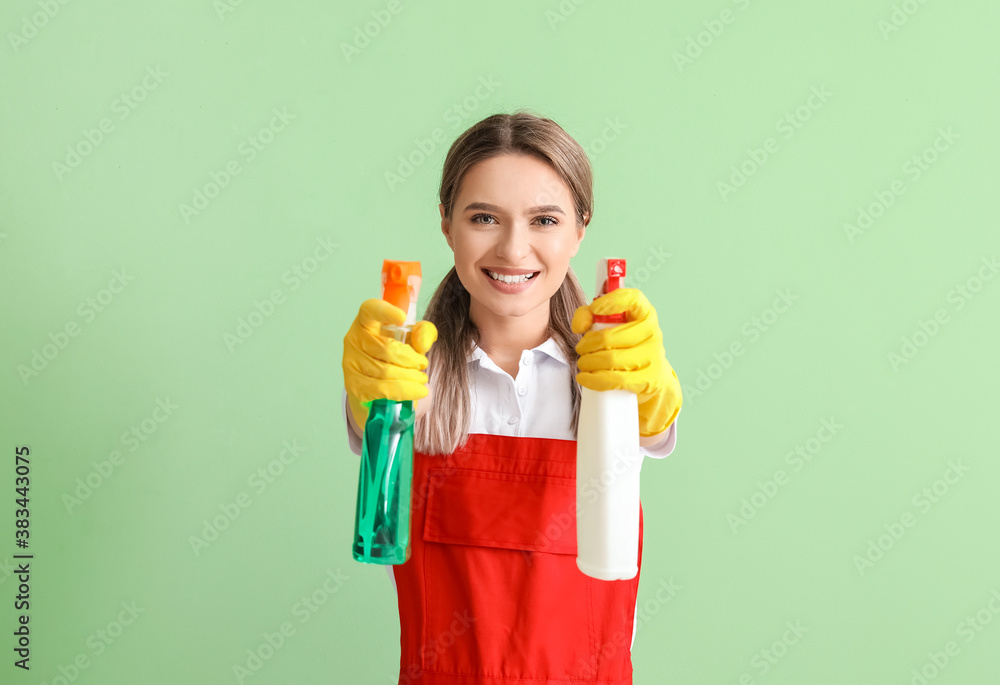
509 279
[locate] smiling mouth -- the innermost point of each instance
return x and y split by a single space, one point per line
522 278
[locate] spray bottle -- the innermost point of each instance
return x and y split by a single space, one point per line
382 520
607 465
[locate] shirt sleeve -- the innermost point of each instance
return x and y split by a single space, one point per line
665 446
353 440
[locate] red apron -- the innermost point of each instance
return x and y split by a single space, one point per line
491 592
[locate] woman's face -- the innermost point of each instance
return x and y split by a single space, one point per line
513 215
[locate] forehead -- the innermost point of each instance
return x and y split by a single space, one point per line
513 180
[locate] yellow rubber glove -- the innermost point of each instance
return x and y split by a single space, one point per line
376 366
629 356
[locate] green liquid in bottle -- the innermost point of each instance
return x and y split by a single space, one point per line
382 521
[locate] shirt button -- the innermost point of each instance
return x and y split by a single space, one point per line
512 420
522 391
527 360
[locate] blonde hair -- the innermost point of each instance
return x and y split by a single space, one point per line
446 426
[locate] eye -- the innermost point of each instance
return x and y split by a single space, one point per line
550 218
476 217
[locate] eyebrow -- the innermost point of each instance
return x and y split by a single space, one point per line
493 208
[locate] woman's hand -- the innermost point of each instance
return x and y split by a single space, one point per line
629 356
376 366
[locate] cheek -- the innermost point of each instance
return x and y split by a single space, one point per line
467 253
559 249
470 249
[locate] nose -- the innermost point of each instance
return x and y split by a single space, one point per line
513 244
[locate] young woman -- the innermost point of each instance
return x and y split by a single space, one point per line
491 592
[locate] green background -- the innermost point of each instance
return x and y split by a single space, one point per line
662 133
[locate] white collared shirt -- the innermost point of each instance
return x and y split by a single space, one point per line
536 404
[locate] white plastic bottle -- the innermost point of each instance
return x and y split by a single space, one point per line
607 466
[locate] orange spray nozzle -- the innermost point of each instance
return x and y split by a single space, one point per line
401 286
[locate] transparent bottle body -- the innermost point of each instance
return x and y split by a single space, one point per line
382 518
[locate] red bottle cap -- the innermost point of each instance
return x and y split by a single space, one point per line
615 272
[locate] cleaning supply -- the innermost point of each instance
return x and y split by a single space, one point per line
382 520
377 366
607 464
630 358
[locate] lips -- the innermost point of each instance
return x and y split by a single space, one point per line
522 276
509 272
512 286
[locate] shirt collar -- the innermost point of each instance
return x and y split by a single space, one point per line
549 347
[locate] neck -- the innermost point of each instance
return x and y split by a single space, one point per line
505 337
